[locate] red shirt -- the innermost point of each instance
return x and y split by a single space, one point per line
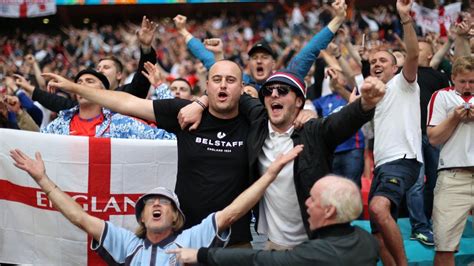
84 127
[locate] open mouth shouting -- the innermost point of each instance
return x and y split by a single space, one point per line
260 71
276 107
378 72
156 214
222 96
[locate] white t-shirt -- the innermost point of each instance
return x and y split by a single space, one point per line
279 212
458 150
397 122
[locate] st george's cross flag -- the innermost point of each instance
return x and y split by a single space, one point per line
105 176
436 20
27 8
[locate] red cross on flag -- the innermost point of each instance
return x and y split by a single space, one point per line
105 176
436 20
27 8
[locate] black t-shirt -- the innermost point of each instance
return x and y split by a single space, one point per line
212 164
430 80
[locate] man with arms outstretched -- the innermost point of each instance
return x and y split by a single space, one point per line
159 216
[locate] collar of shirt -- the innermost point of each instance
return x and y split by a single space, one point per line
162 243
274 134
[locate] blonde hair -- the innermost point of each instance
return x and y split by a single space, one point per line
463 64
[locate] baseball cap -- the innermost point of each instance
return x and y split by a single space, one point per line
158 191
92 72
286 77
262 46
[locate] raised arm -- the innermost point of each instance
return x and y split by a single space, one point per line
440 53
461 43
61 201
140 85
410 67
247 199
195 46
302 62
116 101
216 47
31 61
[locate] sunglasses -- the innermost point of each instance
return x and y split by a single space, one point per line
161 200
281 89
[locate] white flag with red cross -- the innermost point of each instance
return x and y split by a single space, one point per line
436 20
105 176
27 8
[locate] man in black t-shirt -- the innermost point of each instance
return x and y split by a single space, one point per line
212 160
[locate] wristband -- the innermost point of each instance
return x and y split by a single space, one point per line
201 104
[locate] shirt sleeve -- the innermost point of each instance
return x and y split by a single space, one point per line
115 244
304 254
204 234
302 62
166 113
51 101
140 85
198 49
437 112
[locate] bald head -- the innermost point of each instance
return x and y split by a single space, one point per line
224 86
231 66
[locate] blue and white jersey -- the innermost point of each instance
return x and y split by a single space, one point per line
333 103
114 126
120 246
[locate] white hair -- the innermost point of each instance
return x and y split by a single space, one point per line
344 195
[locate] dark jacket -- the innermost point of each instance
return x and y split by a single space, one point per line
319 136
138 87
339 244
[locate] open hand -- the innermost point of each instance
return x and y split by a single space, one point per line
146 32
35 168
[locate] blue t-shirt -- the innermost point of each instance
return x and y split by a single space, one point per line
120 246
332 103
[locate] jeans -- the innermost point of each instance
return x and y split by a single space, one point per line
431 158
349 164
415 204
416 199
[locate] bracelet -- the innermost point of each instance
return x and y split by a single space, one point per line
47 193
407 21
201 104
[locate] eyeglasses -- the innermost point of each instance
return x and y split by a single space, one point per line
161 200
281 89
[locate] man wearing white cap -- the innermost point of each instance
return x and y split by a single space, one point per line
159 216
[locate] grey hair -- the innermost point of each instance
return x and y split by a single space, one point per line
344 195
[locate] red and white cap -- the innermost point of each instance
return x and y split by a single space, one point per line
289 78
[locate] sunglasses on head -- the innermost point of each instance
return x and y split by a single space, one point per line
281 89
